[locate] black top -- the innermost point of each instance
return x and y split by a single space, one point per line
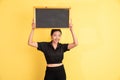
52 55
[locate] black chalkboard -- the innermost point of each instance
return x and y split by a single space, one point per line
52 17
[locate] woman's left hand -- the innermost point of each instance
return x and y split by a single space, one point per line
70 24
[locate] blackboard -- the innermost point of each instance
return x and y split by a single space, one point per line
52 17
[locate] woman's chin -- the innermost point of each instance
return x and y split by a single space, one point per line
56 41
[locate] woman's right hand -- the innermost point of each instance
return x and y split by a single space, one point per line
33 24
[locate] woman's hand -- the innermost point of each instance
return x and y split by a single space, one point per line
70 24
33 24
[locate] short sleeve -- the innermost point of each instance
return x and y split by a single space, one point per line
65 47
41 46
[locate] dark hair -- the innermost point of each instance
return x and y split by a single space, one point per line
54 30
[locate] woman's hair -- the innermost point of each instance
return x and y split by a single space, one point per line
54 30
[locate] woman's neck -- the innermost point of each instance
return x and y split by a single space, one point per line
54 44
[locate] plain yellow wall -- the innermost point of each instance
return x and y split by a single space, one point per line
95 22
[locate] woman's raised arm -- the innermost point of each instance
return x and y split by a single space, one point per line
30 39
75 41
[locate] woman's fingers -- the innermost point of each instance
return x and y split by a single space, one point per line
70 23
33 24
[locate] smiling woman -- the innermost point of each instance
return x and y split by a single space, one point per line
56 35
54 52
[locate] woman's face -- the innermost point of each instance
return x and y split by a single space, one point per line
56 36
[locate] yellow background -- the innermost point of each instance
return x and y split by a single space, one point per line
95 22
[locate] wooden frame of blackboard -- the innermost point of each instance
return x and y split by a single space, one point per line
38 7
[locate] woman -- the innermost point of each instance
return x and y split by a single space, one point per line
54 52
